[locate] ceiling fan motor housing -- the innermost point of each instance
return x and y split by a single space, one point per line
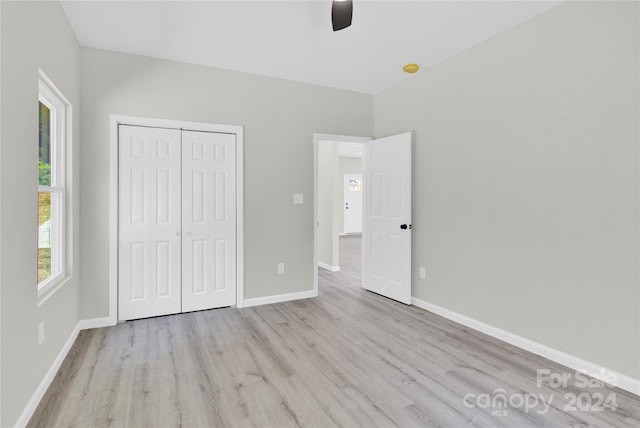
341 13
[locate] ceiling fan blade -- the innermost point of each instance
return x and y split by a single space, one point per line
341 13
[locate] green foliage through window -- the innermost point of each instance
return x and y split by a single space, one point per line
45 173
44 145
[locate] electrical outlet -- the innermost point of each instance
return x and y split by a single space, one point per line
41 333
423 273
280 267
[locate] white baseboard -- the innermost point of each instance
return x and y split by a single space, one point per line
594 370
32 405
329 267
280 298
95 323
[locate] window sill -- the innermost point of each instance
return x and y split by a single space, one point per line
49 289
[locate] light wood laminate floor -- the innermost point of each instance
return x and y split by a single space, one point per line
348 358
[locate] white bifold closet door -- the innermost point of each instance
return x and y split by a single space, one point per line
208 220
177 221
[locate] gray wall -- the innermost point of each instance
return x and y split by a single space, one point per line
34 35
526 180
279 119
1 240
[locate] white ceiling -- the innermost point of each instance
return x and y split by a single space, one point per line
293 39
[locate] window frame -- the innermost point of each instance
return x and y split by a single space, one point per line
60 128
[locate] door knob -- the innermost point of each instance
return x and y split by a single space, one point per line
404 226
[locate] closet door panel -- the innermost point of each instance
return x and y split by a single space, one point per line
208 220
149 249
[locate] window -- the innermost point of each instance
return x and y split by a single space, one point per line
354 184
52 137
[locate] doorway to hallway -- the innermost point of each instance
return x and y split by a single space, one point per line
351 257
386 211
339 188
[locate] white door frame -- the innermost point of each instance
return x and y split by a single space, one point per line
317 137
116 120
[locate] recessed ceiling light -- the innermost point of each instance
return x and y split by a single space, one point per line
411 68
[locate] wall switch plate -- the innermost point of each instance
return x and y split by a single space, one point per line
280 267
298 199
423 273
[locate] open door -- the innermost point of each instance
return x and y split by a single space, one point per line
386 237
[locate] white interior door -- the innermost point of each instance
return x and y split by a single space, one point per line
387 213
208 220
352 203
149 222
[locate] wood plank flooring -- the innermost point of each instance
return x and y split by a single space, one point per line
349 358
